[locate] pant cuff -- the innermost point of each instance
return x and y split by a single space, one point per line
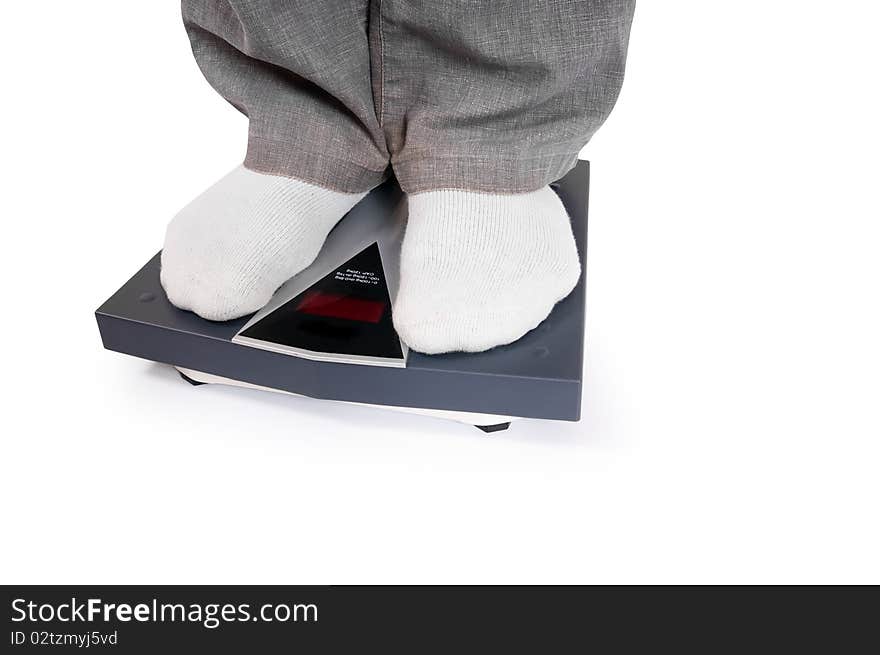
318 168
483 174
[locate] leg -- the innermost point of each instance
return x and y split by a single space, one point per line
300 71
486 103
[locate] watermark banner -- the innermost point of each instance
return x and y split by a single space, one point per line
447 619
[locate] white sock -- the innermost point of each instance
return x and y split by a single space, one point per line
481 270
227 252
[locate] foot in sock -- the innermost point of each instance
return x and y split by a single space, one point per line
480 270
227 252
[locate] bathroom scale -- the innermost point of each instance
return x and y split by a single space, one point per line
328 334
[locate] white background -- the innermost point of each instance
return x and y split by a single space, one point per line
731 429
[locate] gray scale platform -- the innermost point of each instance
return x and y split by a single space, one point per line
538 376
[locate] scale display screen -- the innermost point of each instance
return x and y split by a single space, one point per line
335 305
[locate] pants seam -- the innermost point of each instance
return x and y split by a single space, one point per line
381 116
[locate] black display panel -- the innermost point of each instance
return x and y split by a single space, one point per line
347 312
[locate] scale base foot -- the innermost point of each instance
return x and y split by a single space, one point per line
195 383
497 427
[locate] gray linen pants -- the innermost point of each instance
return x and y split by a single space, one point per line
495 96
